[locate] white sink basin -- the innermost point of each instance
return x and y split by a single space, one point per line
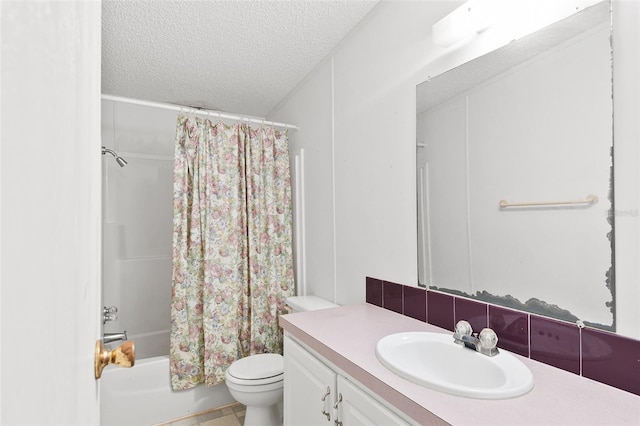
435 361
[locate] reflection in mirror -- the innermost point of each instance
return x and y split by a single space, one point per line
528 123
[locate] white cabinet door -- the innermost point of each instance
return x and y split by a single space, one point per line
306 382
358 408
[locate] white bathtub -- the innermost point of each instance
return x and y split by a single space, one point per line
142 395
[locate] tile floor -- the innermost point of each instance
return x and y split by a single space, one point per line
229 415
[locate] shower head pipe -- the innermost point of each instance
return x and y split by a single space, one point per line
121 161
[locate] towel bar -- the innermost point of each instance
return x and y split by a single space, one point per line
589 199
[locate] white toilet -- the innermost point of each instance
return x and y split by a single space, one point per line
257 381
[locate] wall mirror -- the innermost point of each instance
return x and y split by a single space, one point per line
530 126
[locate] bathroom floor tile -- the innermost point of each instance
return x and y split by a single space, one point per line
228 420
229 415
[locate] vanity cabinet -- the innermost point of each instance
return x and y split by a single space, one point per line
317 393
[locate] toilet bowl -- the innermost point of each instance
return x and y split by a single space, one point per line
256 381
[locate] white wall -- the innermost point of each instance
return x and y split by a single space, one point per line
357 127
50 227
364 93
312 152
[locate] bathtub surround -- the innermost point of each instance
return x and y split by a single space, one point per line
599 355
232 252
137 223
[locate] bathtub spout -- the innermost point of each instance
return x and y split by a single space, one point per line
114 337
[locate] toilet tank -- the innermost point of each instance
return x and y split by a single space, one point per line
308 303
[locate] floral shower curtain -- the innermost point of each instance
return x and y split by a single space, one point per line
232 255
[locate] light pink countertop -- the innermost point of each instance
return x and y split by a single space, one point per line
347 337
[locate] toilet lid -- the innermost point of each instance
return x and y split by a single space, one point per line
258 367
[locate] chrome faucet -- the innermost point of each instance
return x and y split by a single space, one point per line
485 342
114 337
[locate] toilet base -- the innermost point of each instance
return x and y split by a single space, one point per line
263 416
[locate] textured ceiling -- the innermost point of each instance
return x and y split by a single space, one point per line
234 56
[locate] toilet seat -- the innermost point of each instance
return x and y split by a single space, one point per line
257 370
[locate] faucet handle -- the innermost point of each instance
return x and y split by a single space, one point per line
488 338
109 314
464 328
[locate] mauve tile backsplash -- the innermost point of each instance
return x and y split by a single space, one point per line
475 313
415 303
606 357
555 343
611 359
512 328
392 296
373 291
440 310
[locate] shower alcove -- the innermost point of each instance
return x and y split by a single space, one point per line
137 218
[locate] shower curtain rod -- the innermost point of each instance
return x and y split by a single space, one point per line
206 112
